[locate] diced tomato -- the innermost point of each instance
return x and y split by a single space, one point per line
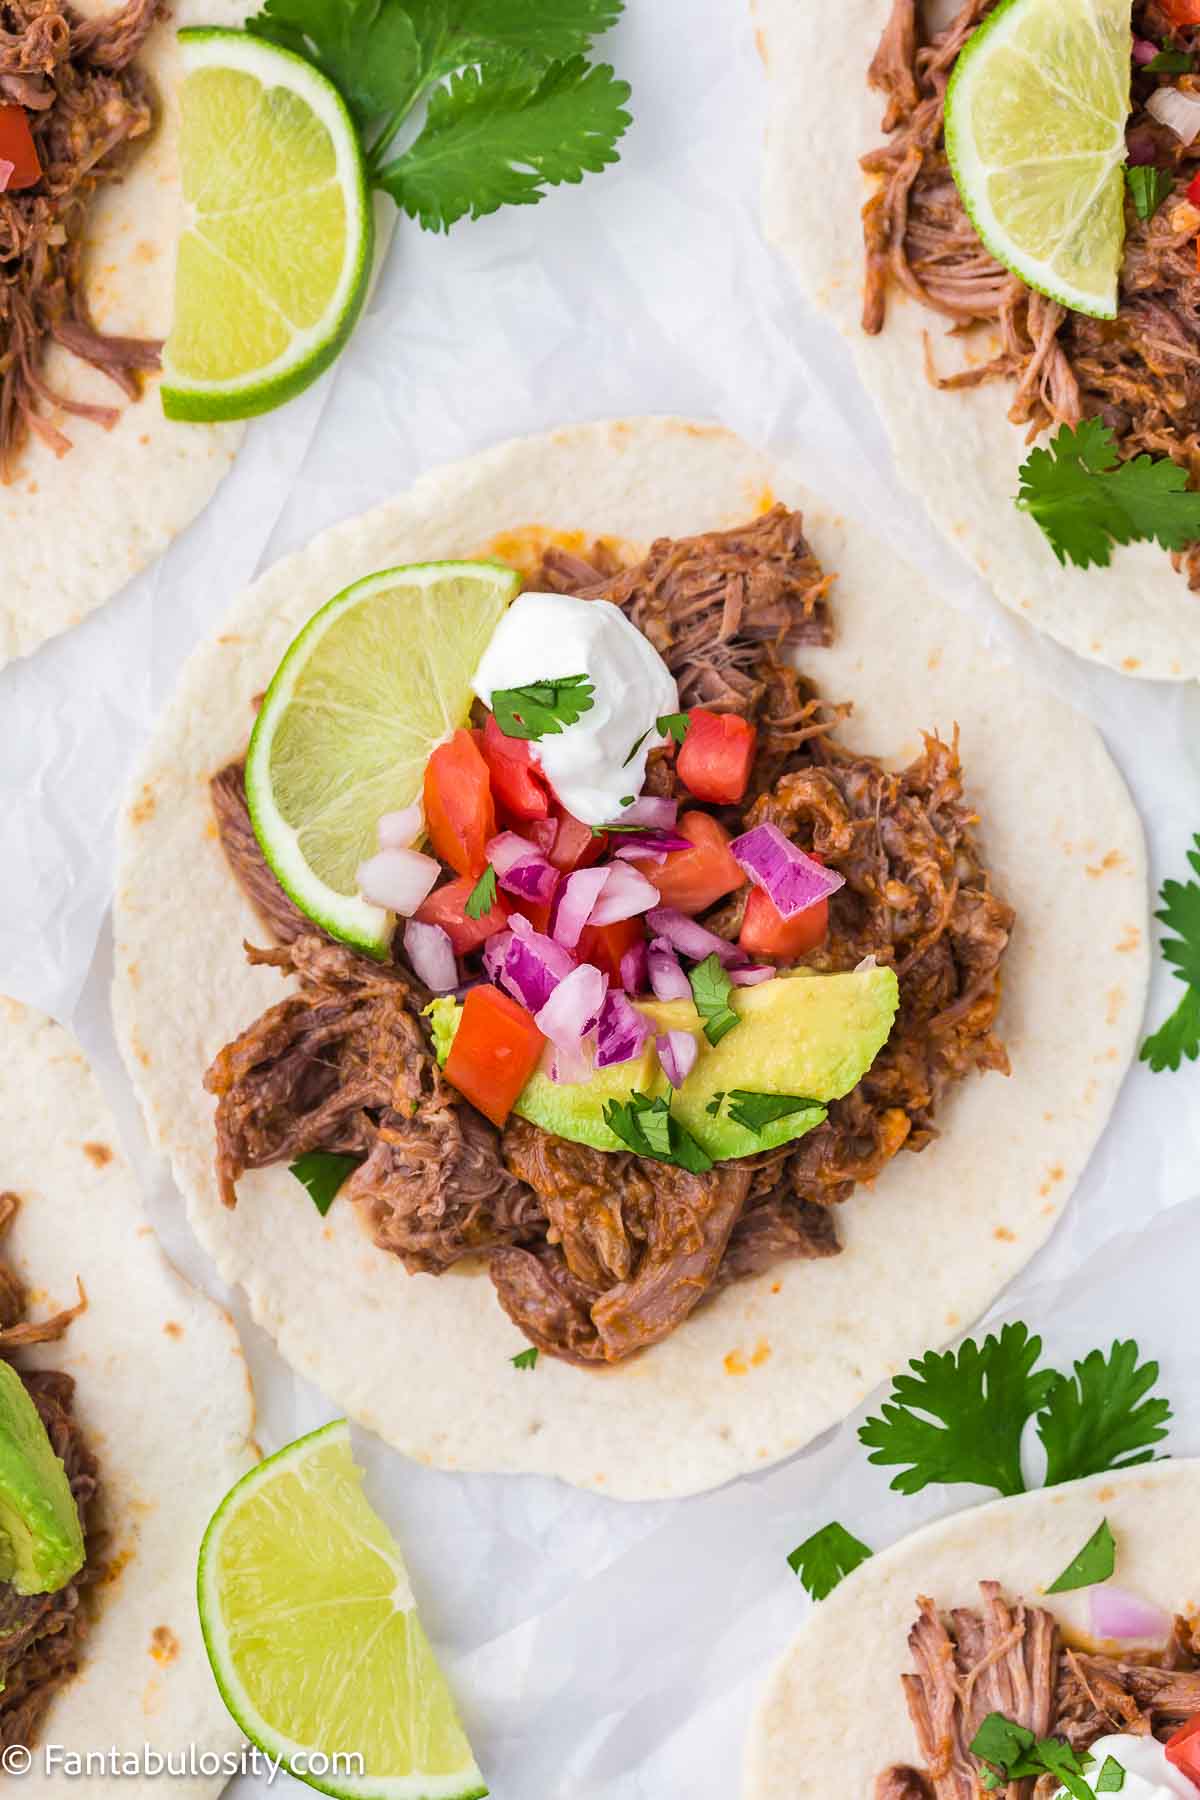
519 788
765 931
605 945
495 1051
691 880
447 907
18 148
459 815
536 911
1183 1750
576 845
1193 190
716 756
1182 12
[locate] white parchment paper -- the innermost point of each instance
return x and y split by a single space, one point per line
599 1651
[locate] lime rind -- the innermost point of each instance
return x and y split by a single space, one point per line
310 348
328 1442
1035 132
348 741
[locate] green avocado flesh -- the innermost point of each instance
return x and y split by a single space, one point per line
810 1035
41 1539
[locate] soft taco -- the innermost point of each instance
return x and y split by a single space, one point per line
981 1681
969 364
127 1413
94 479
779 1006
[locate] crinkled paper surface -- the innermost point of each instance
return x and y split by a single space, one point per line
600 1651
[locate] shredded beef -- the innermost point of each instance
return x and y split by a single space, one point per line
1007 1657
596 1254
41 1634
1139 372
85 103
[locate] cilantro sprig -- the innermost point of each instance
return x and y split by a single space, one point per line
1179 1037
826 1558
650 1129
321 1173
1094 1563
711 988
482 896
1170 61
1085 499
542 708
1148 188
525 1359
754 1110
1011 1753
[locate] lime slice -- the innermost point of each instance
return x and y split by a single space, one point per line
1035 131
275 253
377 678
312 1633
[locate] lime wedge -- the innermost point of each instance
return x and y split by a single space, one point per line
1035 132
275 253
377 678
312 1633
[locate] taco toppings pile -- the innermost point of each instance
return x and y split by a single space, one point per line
71 100
675 970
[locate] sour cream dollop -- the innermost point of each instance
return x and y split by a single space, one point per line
1148 1774
544 636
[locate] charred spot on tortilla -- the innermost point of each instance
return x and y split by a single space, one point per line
596 1254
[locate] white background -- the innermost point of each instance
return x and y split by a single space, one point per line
598 1651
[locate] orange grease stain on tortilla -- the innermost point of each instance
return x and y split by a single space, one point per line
152 1697
777 1287
762 1351
1054 1173
164 1645
114 1567
1112 859
952 1319
1004 1235
1116 1005
1129 939
765 501
1131 663
524 547
142 810
735 1363
173 1328
99 1154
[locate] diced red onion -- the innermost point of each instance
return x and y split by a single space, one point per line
1115 1613
1144 51
508 848
667 978
1140 147
651 843
625 895
543 832
569 1066
431 954
533 879
573 1008
622 1031
1180 112
692 940
752 976
494 953
533 964
6 173
635 973
677 1052
397 879
632 852
399 830
576 898
790 879
652 810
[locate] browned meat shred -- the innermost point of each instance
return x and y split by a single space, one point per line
1007 1657
85 103
1139 372
41 1634
597 1254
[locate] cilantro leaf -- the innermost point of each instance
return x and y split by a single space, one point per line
1099 1418
1179 1037
1094 1563
1169 61
1148 188
981 1395
1085 499
1012 1752
322 1173
650 1129
711 988
542 708
482 896
499 138
367 48
756 1110
1056 1758
1001 1742
1112 1777
825 1558
673 725
453 33
525 1359
1176 1038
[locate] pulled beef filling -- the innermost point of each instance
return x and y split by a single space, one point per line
1139 372
85 102
1007 1657
40 1634
593 1254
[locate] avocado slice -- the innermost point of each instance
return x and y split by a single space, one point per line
41 1538
809 1035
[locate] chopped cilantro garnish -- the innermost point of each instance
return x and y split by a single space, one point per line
711 988
1094 1563
1111 1779
635 749
543 707
322 1172
1179 1037
1148 188
673 725
628 799
1170 61
525 1359
714 1105
1085 499
1012 1753
482 897
756 1110
1099 1418
825 1558
650 1129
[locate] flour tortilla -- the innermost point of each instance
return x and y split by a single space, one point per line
956 451
74 530
163 1397
833 1715
756 1374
